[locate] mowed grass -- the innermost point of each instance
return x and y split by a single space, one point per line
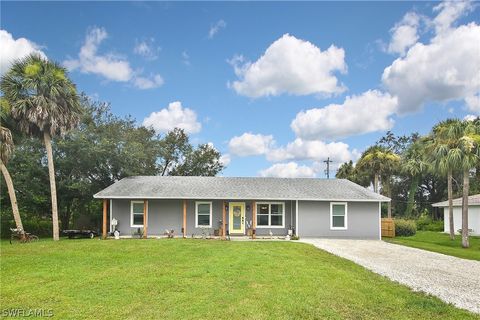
202 279
440 242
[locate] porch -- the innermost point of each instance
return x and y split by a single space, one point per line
217 218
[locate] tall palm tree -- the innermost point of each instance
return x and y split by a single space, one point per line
6 150
469 146
381 162
414 164
443 151
45 103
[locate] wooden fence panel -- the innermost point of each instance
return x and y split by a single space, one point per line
388 228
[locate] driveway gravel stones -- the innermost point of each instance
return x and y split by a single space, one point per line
453 280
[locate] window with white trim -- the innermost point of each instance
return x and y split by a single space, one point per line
136 213
338 215
270 215
203 214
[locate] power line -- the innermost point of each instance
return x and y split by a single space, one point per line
327 171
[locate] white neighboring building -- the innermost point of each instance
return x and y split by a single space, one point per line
473 214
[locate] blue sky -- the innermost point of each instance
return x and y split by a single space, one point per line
276 87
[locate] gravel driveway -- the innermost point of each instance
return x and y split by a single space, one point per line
451 279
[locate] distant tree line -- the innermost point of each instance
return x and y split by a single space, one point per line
416 171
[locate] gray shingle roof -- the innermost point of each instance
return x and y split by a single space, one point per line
473 200
156 187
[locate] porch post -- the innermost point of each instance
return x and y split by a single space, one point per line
223 220
184 218
145 218
254 220
296 218
104 225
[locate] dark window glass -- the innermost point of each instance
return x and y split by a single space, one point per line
262 220
276 220
204 219
338 221
138 219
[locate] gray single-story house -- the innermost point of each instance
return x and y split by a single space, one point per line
473 214
307 207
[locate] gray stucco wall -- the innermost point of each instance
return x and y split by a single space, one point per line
362 220
168 214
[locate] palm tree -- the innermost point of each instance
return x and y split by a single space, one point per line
381 162
444 154
414 164
6 150
470 150
45 103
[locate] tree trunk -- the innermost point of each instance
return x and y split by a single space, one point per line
411 196
65 217
450 205
466 189
53 187
13 197
375 183
389 192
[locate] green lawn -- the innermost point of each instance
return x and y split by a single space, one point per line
440 242
202 279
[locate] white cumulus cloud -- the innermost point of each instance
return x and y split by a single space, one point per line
293 66
249 144
404 34
288 170
154 81
473 103
225 159
13 49
371 111
174 116
311 150
445 69
448 13
109 66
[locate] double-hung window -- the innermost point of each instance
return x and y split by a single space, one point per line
136 213
270 215
338 215
203 214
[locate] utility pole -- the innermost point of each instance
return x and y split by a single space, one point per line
327 171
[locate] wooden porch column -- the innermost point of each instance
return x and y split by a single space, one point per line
254 220
145 218
184 218
223 220
104 224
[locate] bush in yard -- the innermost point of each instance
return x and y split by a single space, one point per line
405 228
426 223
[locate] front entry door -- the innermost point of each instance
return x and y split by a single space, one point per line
236 223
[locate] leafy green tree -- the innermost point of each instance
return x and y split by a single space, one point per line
414 164
381 162
45 103
443 151
470 158
202 161
6 150
348 171
173 148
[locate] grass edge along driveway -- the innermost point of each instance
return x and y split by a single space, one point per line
202 279
440 242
